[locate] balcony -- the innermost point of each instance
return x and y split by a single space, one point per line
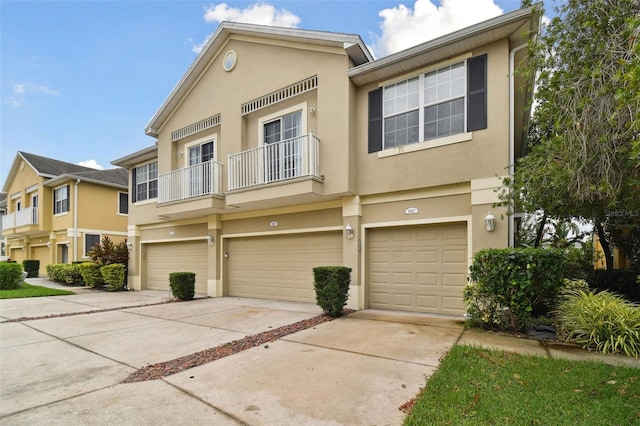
190 182
25 217
190 192
289 159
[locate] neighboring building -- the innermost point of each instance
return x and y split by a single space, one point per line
57 211
284 149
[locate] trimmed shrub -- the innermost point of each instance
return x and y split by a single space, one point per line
601 321
619 281
509 287
332 288
64 273
183 285
54 271
113 276
31 267
10 275
91 274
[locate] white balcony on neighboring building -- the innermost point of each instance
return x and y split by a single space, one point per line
25 217
190 182
275 162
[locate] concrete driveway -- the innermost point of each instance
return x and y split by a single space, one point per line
357 369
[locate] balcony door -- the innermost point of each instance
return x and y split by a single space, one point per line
283 147
200 178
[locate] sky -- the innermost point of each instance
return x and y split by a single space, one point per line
79 80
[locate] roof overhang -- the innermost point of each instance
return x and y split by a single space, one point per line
518 26
352 44
137 157
59 180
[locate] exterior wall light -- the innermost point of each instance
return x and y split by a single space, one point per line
48 244
129 245
67 243
210 240
490 219
348 232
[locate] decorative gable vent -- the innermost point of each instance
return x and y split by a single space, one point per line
280 95
191 129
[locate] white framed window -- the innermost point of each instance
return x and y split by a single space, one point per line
123 203
427 106
283 146
145 182
444 99
61 200
90 241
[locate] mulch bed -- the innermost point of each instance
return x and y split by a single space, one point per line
163 369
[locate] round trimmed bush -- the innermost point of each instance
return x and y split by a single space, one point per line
10 275
183 285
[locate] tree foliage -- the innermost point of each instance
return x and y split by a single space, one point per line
583 151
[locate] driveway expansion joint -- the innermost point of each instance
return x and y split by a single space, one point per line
93 311
167 368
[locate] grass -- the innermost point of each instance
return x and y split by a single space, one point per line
474 386
28 290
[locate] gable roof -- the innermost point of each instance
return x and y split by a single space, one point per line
352 44
56 171
117 178
49 167
518 26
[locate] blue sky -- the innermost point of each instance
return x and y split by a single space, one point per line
79 80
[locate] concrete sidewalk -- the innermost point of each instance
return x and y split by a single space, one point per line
357 369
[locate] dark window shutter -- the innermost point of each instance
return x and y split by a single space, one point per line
375 120
134 194
477 93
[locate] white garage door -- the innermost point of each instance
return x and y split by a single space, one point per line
418 268
162 259
280 267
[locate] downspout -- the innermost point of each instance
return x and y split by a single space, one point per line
75 221
512 151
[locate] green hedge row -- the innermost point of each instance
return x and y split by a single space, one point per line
331 284
89 273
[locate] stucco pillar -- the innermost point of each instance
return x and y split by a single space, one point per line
352 247
134 267
214 283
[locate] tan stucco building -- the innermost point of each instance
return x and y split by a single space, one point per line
56 211
284 149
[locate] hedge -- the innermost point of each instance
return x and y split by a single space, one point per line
183 285
114 276
331 284
31 267
508 287
10 275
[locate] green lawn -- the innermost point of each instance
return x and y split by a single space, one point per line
474 386
28 290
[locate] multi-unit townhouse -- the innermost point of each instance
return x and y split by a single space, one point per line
56 211
283 149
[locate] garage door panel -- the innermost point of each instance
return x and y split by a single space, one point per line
280 267
165 258
418 268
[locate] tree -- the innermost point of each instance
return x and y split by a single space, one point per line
582 158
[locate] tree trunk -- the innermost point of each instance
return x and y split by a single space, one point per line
540 233
606 248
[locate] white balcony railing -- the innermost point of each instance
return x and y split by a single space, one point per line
288 159
26 216
189 182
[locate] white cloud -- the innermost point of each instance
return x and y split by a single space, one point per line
91 163
403 27
20 92
258 13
